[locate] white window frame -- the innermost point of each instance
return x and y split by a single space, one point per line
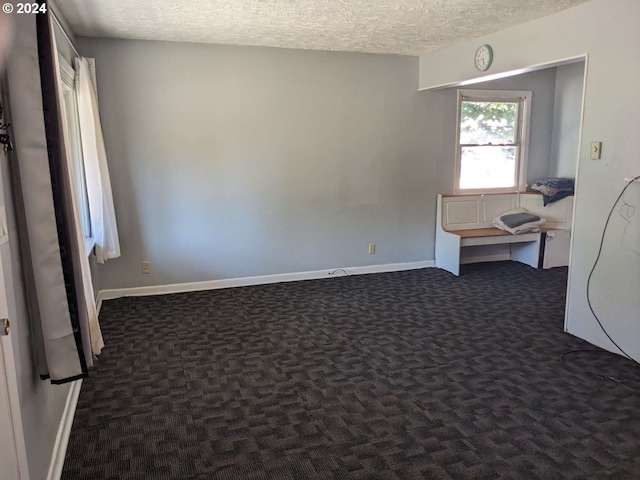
522 135
67 87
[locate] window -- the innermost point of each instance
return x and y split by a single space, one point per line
72 132
492 141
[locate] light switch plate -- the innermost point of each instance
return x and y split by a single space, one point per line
596 150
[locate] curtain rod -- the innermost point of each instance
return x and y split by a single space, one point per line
53 15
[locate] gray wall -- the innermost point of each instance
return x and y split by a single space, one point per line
236 161
566 120
542 84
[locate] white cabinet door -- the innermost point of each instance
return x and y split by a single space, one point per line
556 248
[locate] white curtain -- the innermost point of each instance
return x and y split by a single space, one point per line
103 219
87 312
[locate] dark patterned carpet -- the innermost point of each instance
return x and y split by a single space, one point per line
414 374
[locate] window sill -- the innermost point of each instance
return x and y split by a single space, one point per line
89 243
488 191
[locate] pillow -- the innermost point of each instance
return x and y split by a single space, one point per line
518 220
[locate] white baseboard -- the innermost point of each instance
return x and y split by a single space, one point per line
258 280
64 430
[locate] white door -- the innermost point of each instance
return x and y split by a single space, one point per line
11 440
13 459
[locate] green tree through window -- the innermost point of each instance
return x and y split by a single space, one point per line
488 122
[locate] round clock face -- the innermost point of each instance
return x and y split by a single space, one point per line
484 57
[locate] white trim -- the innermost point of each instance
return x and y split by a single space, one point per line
15 435
508 73
472 94
257 280
98 303
458 160
567 305
7 363
64 430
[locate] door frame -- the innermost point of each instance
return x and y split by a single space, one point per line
14 438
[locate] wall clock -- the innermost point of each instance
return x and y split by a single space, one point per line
484 57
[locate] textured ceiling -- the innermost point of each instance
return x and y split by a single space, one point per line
409 27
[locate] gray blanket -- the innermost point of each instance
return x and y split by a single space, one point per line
516 219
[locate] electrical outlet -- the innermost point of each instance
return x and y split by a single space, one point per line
146 267
372 248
